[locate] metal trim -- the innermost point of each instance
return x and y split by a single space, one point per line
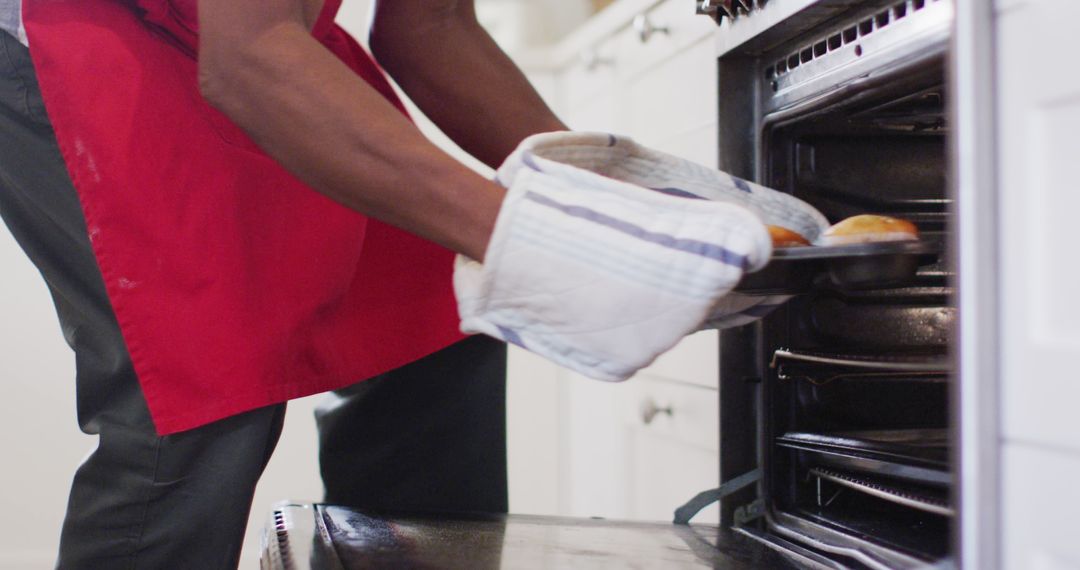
790 549
833 542
975 189
815 58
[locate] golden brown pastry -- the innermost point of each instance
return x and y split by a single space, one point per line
867 228
783 237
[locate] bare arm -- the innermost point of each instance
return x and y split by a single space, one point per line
260 66
452 69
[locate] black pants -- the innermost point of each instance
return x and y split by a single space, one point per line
429 436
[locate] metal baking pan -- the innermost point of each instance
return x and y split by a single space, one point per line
794 270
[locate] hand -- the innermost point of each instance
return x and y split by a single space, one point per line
595 273
623 159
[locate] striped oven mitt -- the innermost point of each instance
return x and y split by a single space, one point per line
597 273
623 159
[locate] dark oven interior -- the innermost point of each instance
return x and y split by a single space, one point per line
851 388
858 381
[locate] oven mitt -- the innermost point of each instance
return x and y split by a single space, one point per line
601 275
623 159
736 310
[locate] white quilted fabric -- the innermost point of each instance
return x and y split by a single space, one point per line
623 159
598 274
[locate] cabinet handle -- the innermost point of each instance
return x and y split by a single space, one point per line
645 28
592 60
650 409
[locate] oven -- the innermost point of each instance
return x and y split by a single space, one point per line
839 404
837 419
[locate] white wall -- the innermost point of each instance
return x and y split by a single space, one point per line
39 439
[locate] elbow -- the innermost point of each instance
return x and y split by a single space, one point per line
231 69
209 83
213 82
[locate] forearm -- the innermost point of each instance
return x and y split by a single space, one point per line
452 69
336 133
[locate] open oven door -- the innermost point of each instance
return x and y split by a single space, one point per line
327 537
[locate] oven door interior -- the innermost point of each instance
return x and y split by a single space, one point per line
327 537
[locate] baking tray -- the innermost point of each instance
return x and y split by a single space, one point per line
794 270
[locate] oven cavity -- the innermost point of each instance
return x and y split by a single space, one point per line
849 388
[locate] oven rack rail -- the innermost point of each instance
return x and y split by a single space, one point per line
820 368
891 362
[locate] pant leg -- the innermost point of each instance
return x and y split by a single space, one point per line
139 500
430 436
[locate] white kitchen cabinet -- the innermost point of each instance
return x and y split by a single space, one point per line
1038 121
636 450
658 87
693 361
1039 510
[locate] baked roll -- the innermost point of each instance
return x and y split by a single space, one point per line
783 237
868 228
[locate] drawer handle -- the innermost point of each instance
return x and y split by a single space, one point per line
646 29
650 409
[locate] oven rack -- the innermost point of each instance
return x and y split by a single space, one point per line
914 455
916 499
886 362
822 368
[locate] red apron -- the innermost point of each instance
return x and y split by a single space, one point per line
234 284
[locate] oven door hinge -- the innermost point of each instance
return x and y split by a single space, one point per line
703 499
749 512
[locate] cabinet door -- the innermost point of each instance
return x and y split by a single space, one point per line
1038 124
1040 509
695 360
590 95
638 450
669 102
672 105
672 435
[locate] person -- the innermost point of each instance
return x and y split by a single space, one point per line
157 162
